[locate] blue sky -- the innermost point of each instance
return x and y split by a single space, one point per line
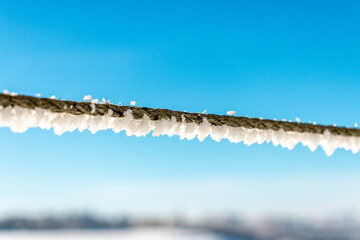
271 59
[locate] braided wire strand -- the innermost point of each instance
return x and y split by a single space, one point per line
78 108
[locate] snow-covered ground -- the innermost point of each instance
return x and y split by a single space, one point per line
128 234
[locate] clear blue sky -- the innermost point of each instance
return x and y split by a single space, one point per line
271 59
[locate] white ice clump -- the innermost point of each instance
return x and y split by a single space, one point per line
87 97
132 103
6 92
20 119
95 101
231 113
92 105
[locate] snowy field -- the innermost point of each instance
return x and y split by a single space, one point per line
131 234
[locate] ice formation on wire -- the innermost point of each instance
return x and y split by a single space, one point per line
87 97
20 119
7 92
231 113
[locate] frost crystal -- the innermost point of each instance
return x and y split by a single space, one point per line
231 113
92 107
87 98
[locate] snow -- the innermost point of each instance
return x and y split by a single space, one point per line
231 113
92 105
20 119
87 97
130 234
95 101
132 103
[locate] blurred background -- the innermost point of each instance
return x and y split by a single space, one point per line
270 59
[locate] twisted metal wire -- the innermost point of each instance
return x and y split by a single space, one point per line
78 108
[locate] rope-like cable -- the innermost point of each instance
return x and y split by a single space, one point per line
78 108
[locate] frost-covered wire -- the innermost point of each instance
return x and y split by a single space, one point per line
23 112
